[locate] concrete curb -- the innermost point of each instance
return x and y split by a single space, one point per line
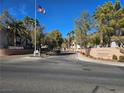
27 57
87 59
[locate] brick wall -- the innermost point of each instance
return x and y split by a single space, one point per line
6 52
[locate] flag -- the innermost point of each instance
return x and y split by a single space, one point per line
41 9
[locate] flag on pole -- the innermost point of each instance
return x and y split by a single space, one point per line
41 9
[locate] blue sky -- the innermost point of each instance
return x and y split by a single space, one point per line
60 14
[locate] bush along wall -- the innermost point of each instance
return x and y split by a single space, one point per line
121 58
115 57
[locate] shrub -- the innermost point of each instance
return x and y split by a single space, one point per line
115 57
82 53
121 58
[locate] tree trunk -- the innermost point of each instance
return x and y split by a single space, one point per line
101 39
14 36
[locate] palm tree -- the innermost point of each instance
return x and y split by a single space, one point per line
2 27
5 20
117 21
17 29
100 16
30 23
111 21
30 26
103 16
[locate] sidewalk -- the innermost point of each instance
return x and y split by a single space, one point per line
15 56
19 58
87 59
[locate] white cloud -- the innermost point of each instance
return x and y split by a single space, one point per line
13 11
21 10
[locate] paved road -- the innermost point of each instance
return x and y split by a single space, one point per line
58 74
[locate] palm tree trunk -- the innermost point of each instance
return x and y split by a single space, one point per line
14 36
26 42
101 39
109 41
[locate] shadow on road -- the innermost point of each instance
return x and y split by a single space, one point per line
95 89
60 54
66 53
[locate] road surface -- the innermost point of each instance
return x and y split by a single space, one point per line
58 74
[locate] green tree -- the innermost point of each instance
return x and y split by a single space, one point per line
54 39
6 18
2 27
8 23
83 26
94 39
65 43
30 26
70 38
117 21
103 15
39 35
17 29
79 36
110 19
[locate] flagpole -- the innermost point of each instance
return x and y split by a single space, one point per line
35 32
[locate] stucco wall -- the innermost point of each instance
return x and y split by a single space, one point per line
104 53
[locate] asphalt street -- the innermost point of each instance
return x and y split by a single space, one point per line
58 74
